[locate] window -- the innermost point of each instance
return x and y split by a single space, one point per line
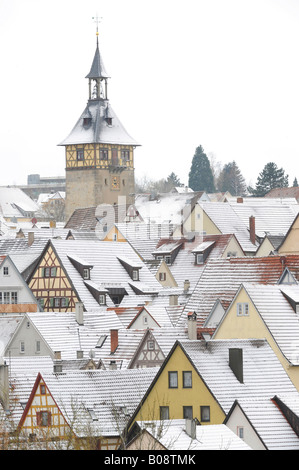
6 297
242 309
5 271
187 412
205 414
164 412
102 299
53 272
125 155
168 259
86 274
187 379
103 154
199 258
49 272
135 275
162 276
56 302
150 345
240 432
37 347
14 297
145 320
22 347
42 389
172 379
43 418
80 154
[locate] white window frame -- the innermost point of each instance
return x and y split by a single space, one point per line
22 347
5 271
242 309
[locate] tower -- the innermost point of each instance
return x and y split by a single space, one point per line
99 152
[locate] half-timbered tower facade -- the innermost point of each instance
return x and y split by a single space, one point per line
99 151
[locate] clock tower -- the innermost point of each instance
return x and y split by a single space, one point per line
99 152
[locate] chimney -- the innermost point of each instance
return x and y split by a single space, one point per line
30 238
4 385
236 362
192 326
239 200
173 300
113 340
191 428
112 365
186 285
79 313
252 229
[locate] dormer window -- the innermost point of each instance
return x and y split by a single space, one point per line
102 299
131 267
109 121
199 258
86 273
86 121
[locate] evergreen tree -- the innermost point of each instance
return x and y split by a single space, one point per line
173 180
231 179
295 183
271 177
200 174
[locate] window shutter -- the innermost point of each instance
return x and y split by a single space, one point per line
38 418
43 272
49 418
67 301
51 302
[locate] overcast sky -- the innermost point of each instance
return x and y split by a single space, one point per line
223 74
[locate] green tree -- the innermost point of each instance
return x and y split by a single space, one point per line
295 183
173 180
200 174
271 177
231 179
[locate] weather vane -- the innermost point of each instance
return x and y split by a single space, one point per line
97 20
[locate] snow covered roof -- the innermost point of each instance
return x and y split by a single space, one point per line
97 67
99 131
173 436
221 279
263 374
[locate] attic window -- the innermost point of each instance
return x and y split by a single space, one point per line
86 273
86 121
135 275
199 258
242 309
109 121
101 341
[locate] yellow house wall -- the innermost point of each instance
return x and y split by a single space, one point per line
233 246
291 243
161 395
252 326
110 236
265 248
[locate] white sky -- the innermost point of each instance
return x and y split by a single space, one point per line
223 74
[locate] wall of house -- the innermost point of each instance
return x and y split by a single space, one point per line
12 282
28 336
238 419
176 398
291 243
265 248
252 326
233 247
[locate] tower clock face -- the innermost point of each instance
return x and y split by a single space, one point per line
115 182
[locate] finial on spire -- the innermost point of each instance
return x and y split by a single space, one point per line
97 20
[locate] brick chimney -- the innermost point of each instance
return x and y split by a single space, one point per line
192 326
252 229
113 340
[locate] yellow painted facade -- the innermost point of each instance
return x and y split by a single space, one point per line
176 398
290 245
234 326
50 285
114 235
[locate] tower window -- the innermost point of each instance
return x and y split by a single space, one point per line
80 154
125 155
86 121
104 154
